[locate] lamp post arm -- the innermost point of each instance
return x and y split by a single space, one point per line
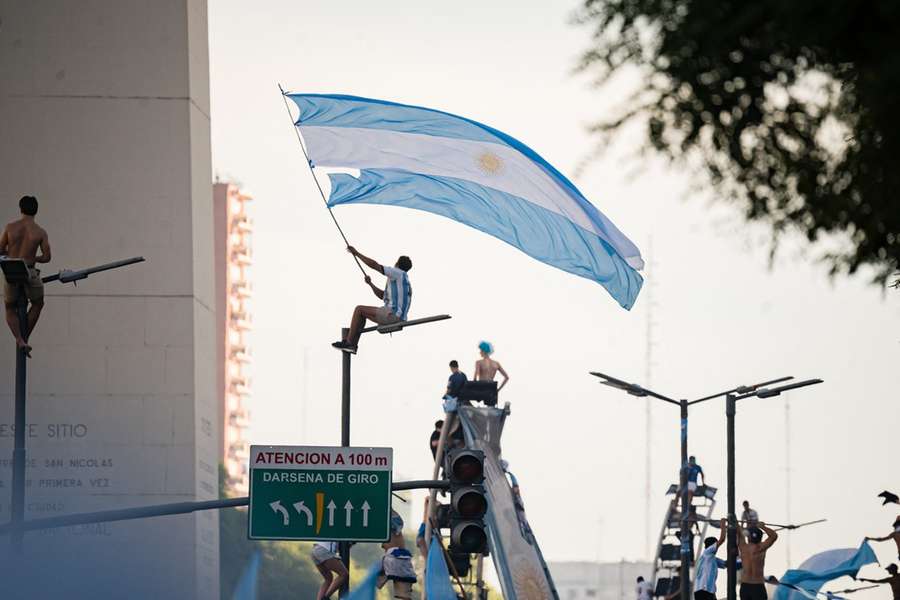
67 276
742 389
632 388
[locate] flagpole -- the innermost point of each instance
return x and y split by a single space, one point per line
312 172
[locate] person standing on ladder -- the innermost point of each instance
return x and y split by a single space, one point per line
22 239
397 296
750 517
695 471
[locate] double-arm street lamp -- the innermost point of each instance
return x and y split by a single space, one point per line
731 399
742 391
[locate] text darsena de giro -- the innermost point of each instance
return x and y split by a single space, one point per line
314 477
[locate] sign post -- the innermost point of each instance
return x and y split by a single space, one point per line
320 493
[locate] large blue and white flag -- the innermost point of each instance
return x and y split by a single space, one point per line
469 172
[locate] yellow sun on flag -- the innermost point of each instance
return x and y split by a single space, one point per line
489 163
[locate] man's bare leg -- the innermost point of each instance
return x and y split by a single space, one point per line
34 313
358 322
12 319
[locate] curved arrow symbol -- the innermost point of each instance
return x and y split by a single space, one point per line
365 509
301 508
277 507
331 506
348 508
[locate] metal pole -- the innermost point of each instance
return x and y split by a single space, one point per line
344 547
685 508
730 406
17 504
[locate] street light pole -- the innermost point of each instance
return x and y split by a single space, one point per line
730 406
17 504
685 549
685 508
344 547
16 272
730 412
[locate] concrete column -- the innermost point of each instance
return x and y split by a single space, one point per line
104 116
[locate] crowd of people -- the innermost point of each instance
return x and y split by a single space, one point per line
754 539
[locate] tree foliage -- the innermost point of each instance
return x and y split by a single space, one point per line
789 107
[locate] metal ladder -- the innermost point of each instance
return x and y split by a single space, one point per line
667 562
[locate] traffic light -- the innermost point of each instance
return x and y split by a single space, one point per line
468 501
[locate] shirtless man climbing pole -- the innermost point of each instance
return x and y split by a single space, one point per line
22 239
752 550
486 368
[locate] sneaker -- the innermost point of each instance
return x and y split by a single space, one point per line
344 347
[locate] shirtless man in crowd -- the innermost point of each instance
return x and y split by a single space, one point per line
894 535
22 239
893 579
486 368
752 550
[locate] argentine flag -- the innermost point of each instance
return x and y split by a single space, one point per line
466 171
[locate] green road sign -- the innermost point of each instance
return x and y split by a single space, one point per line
320 493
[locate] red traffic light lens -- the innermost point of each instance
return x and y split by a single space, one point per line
467 469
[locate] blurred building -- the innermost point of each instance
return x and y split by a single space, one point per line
581 580
233 255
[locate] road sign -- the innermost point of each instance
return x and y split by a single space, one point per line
320 493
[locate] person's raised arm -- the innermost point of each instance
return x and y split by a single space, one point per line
863 579
771 536
723 527
741 540
378 292
372 264
880 539
45 250
505 376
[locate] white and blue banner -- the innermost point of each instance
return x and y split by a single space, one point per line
805 582
461 169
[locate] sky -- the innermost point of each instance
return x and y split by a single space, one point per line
722 313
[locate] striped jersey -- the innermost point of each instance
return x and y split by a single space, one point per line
397 292
707 570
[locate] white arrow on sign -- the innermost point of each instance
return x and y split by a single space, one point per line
277 507
348 507
301 508
331 506
365 509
